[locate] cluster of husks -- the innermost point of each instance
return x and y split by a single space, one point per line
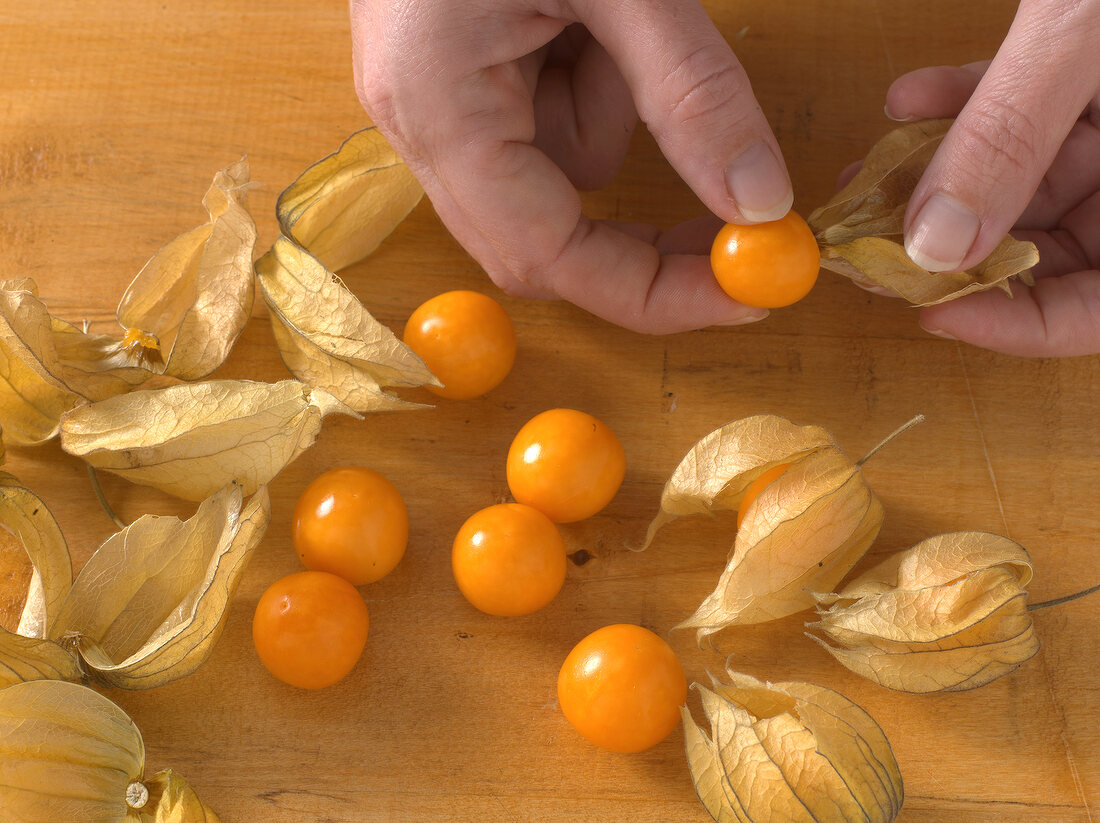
151 602
948 614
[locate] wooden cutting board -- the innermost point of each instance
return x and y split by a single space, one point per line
113 118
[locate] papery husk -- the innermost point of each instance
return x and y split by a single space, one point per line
716 471
810 525
172 800
790 751
28 658
67 753
48 366
195 295
24 653
949 614
342 207
194 439
861 235
24 515
328 339
149 605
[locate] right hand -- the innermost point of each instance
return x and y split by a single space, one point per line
502 111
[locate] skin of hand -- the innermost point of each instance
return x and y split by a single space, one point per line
1023 154
504 109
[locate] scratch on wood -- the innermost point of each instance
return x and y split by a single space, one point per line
981 436
504 809
1073 773
885 47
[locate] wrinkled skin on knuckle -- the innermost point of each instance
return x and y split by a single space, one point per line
705 81
1002 137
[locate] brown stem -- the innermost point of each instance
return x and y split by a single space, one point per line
103 498
898 431
1059 600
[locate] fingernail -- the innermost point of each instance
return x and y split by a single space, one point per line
759 185
897 118
942 234
939 333
745 319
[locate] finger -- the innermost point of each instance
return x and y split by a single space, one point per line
1073 245
520 216
584 115
942 91
692 237
1059 253
1073 177
847 174
992 159
935 91
1057 317
460 227
696 99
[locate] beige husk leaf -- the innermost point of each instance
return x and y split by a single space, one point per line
194 439
195 295
328 339
343 206
28 519
172 800
860 229
790 751
70 754
27 658
716 471
48 366
810 525
149 605
949 614
32 532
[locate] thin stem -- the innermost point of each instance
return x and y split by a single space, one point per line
895 433
103 498
1059 600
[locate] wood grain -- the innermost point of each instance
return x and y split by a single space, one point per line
114 117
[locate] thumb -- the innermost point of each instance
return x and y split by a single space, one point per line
1006 137
695 98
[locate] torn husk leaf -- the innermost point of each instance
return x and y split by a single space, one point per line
189 303
342 207
194 439
28 519
48 366
149 605
949 614
810 525
790 751
328 339
70 754
860 231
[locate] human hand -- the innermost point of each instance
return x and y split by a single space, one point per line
502 111
1023 154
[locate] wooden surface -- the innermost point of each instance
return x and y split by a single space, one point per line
113 117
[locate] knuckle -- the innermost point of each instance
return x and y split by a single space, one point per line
377 97
1002 135
702 83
